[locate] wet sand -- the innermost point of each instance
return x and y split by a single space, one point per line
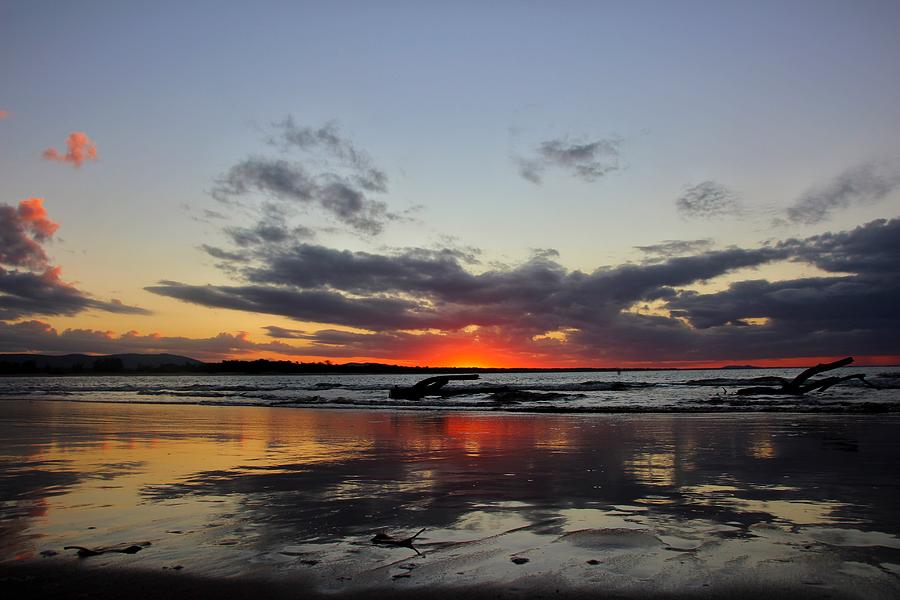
250 500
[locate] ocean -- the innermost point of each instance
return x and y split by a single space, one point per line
629 391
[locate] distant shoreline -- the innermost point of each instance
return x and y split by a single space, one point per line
397 371
170 364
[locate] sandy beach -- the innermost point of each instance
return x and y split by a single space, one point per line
222 499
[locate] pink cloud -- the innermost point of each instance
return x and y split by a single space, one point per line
33 213
80 148
33 286
23 229
3 114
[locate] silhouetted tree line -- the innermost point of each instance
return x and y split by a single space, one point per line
113 365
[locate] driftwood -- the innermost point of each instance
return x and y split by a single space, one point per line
122 549
799 386
426 387
383 539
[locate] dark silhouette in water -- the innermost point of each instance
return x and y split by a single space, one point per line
798 387
427 387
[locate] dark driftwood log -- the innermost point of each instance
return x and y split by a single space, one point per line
122 549
426 387
798 386
383 539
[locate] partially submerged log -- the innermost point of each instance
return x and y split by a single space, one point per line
427 387
798 386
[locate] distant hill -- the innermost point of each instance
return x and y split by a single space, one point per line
113 362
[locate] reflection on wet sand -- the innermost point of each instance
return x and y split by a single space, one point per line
691 501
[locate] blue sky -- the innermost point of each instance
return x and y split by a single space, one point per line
767 99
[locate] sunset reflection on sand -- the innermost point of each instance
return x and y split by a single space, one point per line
227 490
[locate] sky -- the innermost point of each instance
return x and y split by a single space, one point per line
456 184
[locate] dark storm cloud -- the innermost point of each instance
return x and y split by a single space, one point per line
586 160
420 289
33 286
37 336
707 199
273 331
817 303
316 266
23 293
854 310
319 306
864 184
385 344
597 313
870 249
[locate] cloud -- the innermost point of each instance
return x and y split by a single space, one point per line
79 149
283 181
335 176
320 306
670 248
274 331
871 249
3 114
863 184
22 230
277 178
585 160
268 231
418 300
329 140
38 336
25 293
219 253
707 199
424 305
33 286
426 289
32 212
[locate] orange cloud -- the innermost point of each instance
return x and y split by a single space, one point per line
32 212
3 114
80 148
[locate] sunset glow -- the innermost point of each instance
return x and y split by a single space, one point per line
542 222
449 299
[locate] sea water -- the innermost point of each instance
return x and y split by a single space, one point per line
628 391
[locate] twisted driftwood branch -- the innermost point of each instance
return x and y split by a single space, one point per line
798 386
426 387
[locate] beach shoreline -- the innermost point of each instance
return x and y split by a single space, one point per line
246 499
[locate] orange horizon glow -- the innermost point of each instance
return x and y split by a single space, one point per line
506 360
